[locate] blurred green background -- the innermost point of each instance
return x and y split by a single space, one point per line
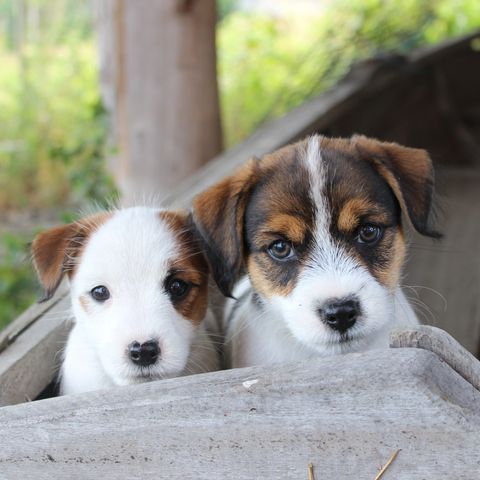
53 129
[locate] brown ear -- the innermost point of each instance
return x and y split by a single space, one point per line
409 173
218 213
54 252
50 256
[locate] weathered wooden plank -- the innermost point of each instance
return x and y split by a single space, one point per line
445 275
420 117
345 414
30 363
444 346
29 316
158 72
433 53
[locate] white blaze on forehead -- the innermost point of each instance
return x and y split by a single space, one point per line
326 255
317 173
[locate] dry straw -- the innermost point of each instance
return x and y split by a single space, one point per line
390 460
379 474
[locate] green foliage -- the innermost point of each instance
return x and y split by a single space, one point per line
53 127
269 64
52 140
225 7
453 17
17 279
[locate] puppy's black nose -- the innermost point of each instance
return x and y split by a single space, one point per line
144 354
340 314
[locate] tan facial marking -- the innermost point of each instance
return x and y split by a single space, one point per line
194 306
356 208
409 173
288 226
190 266
391 276
265 284
352 211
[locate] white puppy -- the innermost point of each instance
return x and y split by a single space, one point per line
318 227
139 296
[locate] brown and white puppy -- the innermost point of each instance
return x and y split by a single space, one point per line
318 227
139 297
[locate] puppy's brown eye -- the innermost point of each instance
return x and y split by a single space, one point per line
100 293
369 234
176 288
281 250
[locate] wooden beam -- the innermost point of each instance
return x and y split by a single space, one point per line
10 333
30 363
466 140
431 54
444 346
158 78
442 277
262 422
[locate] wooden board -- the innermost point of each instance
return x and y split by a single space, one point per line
432 102
444 346
158 82
31 362
10 333
445 275
346 415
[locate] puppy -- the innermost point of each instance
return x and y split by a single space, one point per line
139 297
318 227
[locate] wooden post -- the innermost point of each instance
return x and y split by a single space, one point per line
158 78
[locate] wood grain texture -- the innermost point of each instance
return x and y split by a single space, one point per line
158 78
445 275
9 334
30 363
346 415
444 346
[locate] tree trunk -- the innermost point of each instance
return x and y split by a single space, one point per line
158 78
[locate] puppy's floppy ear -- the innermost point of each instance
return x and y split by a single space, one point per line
409 173
54 251
50 256
218 213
